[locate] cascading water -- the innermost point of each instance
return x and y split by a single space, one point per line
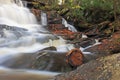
13 15
25 30
20 31
70 27
43 19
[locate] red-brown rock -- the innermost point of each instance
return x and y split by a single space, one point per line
59 29
37 13
108 46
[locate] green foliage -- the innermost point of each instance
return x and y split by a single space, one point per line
104 4
72 4
77 7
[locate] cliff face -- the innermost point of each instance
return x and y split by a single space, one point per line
105 68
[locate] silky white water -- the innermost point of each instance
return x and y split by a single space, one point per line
96 43
26 30
16 15
18 74
70 27
43 19
21 33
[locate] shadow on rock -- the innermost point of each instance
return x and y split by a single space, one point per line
104 68
47 59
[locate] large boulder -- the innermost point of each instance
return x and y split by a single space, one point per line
104 68
47 59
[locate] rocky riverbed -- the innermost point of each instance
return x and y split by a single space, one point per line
101 61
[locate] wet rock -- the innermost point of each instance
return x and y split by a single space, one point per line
34 4
54 27
37 13
67 34
105 68
29 3
60 30
51 48
54 18
108 46
47 59
16 31
12 28
24 60
52 62
85 42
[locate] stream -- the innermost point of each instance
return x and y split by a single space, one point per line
21 34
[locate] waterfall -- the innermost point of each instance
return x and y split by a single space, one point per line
43 19
15 14
70 27
25 3
18 2
20 33
6 2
